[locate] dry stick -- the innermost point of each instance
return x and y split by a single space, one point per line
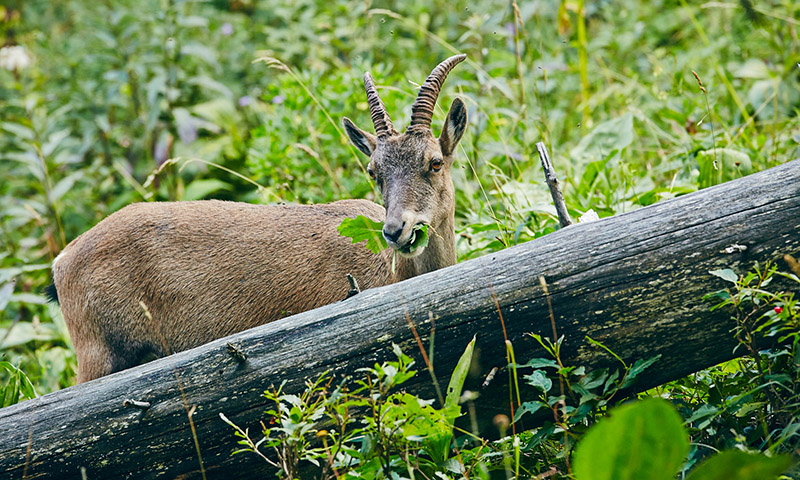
129 403
354 289
552 182
28 451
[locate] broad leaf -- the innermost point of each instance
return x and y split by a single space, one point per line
439 446
459 376
611 136
203 187
725 274
362 228
638 367
641 440
5 294
738 465
539 363
539 380
528 407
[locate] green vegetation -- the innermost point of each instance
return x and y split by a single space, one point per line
369 428
372 432
107 103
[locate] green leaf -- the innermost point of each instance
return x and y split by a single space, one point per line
29 298
738 465
18 130
593 379
26 386
753 68
362 228
721 165
720 294
439 446
65 185
638 367
203 187
725 274
24 332
17 383
641 440
5 294
537 363
702 412
747 408
528 407
458 377
6 274
419 239
204 53
612 135
539 380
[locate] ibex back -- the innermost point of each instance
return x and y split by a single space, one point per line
156 278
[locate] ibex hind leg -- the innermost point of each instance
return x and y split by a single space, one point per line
94 361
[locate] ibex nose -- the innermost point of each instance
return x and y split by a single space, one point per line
393 231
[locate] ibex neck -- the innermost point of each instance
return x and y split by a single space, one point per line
440 253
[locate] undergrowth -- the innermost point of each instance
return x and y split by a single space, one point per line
107 103
713 426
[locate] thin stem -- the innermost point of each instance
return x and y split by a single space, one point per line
583 60
517 27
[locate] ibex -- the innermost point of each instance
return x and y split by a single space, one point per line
156 278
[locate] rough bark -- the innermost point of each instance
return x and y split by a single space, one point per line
633 282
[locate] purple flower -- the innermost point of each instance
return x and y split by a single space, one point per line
226 29
187 132
245 100
278 99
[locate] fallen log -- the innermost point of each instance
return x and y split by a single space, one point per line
634 282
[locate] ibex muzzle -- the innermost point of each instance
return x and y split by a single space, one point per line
156 278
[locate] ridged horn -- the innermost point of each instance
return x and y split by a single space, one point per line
380 118
422 110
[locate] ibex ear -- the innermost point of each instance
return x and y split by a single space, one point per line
362 140
454 127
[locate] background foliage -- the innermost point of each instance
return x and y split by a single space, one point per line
96 97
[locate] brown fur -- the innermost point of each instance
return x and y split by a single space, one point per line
208 269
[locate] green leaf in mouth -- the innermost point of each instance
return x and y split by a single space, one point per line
362 228
419 239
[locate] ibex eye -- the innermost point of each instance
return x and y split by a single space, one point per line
436 164
371 173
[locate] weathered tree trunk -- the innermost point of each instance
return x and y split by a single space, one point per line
633 282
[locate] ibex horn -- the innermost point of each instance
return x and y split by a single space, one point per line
380 119
422 110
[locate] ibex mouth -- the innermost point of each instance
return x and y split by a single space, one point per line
417 242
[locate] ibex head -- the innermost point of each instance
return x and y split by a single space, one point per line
413 169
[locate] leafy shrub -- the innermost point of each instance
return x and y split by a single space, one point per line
365 428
